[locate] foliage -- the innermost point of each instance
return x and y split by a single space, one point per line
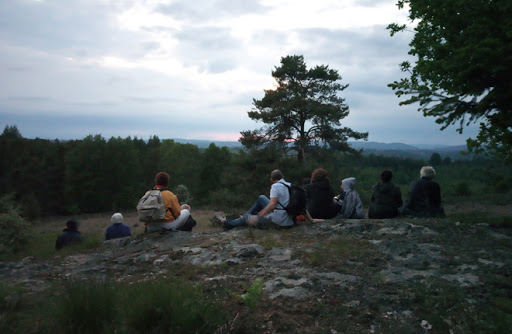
14 230
253 295
462 71
214 161
97 175
88 306
11 132
170 307
181 191
435 159
462 189
302 96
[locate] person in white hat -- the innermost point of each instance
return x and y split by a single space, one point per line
117 229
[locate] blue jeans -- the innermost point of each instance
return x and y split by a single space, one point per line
260 203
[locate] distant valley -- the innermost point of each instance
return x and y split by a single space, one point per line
421 151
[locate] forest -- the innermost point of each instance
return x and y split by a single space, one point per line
95 174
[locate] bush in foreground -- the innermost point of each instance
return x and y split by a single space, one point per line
14 230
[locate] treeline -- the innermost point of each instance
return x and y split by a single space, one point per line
93 174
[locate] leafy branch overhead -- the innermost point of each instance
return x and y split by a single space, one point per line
463 71
303 112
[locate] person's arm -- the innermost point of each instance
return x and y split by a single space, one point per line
311 219
270 207
173 206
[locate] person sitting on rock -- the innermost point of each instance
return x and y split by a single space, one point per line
424 197
352 207
320 196
70 235
176 215
267 212
386 198
117 229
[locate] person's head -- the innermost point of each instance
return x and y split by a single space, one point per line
276 175
162 179
319 174
72 224
306 180
428 171
348 184
386 175
117 218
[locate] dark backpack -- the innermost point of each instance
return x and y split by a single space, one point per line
297 204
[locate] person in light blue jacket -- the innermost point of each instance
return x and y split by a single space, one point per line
352 207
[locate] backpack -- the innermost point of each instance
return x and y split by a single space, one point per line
151 207
297 204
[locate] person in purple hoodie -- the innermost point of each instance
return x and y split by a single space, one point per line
117 229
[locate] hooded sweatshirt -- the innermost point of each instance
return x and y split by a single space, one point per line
385 201
352 204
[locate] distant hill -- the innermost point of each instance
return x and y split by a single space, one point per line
420 151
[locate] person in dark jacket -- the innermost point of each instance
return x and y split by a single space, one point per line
117 229
424 198
386 198
320 196
70 235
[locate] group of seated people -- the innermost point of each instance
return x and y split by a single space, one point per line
71 235
424 197
424 200
177 218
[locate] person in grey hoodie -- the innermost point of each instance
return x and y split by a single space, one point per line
386 198
352 205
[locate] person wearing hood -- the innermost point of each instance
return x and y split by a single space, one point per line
352 207
320 196
70 235
424 198
386 198
117 229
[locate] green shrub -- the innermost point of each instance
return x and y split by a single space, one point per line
87 306
181 191
160 307
9 303
253 295
14 230
462 189
226 200
503 186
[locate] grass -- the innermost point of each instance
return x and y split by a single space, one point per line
93 305
42 246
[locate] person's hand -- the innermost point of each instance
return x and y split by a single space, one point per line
318 220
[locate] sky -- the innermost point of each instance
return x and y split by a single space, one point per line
191 69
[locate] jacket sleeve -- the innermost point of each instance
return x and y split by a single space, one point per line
173 207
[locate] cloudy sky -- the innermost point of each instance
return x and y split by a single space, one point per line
190 69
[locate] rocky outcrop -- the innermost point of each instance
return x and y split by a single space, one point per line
353 263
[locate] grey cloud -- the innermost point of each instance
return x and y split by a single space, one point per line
371 3
213 9
79 29
211 49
